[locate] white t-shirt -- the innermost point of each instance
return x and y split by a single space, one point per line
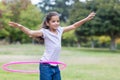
52 44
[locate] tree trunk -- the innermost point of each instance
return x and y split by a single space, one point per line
92 44
112 45
78 44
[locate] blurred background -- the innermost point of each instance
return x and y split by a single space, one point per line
91 52
102 32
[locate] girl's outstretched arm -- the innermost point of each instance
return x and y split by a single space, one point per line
30 33
79 23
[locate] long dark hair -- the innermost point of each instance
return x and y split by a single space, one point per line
44 25
48 18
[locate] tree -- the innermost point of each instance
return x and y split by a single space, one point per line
69 39
4 18
61 6
106 21
15 7
25 13
110 20
31 18
77 13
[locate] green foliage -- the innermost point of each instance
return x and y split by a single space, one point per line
31 18
104 39
106 21
69 39
109 12
77 13
110 22
4 19
61 6
22 12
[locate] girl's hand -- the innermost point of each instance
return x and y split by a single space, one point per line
90 16
15 25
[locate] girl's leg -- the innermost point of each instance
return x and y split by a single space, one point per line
57 75
48 72
45 73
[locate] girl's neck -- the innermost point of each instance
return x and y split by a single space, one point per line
53 31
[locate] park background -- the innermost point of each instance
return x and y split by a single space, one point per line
91 51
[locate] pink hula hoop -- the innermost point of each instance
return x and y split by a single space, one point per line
5 66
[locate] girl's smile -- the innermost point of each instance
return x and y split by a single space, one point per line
53 23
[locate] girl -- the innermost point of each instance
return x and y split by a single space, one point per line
51 32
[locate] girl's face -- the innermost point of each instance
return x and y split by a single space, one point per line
54 22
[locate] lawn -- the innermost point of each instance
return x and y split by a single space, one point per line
82 63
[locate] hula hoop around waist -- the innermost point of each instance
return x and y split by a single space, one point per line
5 66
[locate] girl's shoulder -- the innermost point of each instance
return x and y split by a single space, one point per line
60 29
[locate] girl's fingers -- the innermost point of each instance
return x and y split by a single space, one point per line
13 24
91 16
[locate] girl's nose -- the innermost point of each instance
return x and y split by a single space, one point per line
57 23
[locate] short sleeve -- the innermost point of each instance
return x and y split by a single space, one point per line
60 29
43 31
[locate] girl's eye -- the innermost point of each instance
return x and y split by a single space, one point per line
53 21
58 21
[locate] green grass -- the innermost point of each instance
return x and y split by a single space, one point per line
82 63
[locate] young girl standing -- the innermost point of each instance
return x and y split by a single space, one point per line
51 32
